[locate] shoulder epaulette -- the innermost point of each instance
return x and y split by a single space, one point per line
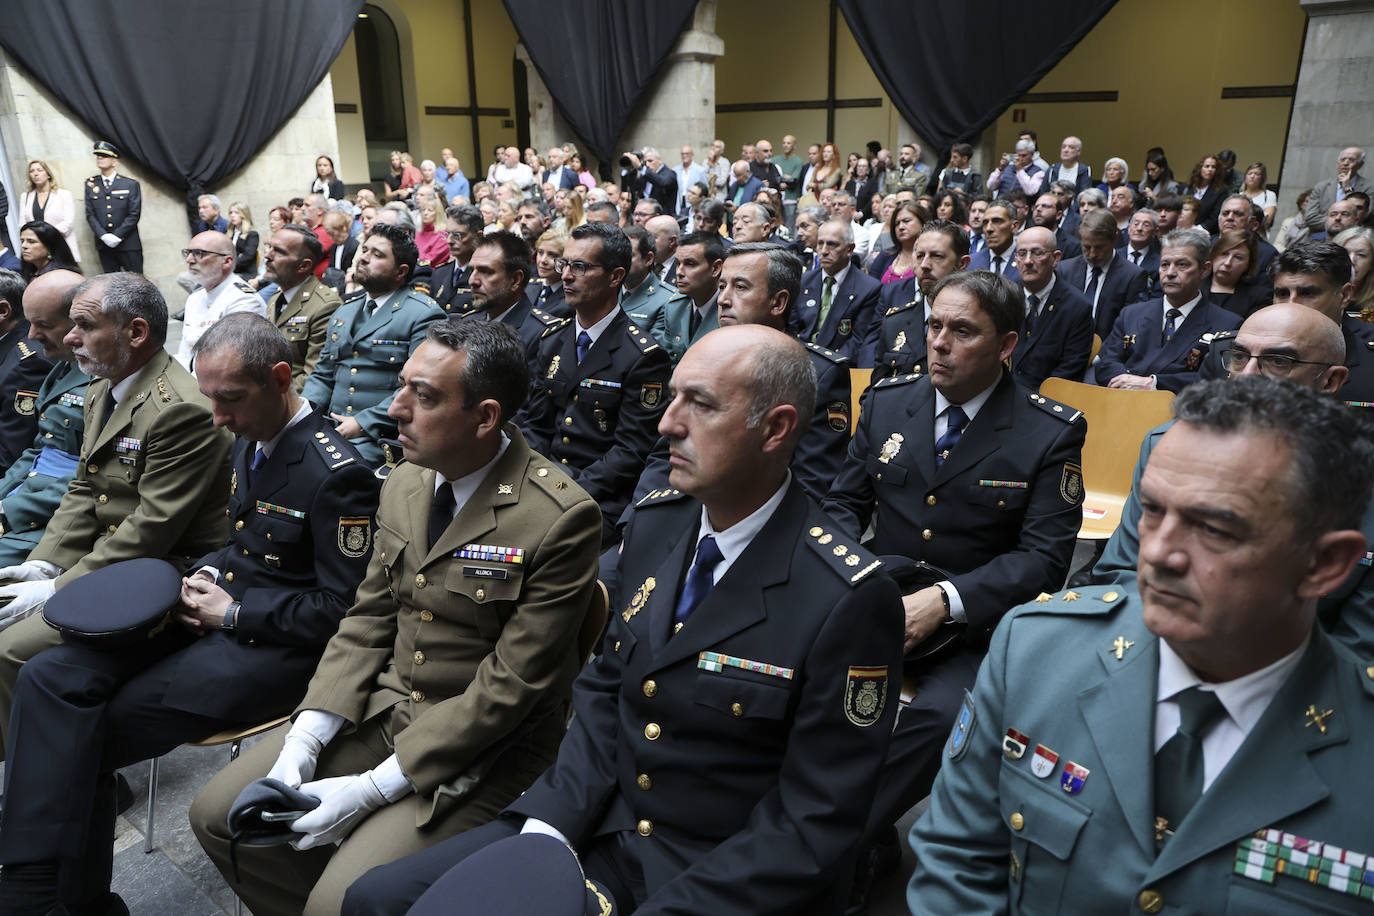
25 351
900 308
244 286
355 295
1088 600
831 355
646 342
551 322
1054 408
1219 335
840 552
669 494
556 482
422 295
334 458
897 380
393 454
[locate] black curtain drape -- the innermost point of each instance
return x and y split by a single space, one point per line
951 67
192 89
598 56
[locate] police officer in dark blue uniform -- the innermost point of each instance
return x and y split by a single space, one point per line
898 343
498 271
449 285
114 204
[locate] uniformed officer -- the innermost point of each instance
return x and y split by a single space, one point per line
601 381
972 475
444 693
1191 747
546 292
370 337
498 271
210 262
899 339
643 295
727 738
253 619
449 285
22 371
693 312
153 473
32 489
303 305
114 204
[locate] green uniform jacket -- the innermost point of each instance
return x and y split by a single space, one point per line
673 330
152 482
305 322
646 302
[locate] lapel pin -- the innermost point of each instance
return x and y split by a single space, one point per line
1317 718
1121 645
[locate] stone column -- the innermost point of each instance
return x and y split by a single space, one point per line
1334 105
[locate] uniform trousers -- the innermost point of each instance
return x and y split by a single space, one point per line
113 260
279 881
20 642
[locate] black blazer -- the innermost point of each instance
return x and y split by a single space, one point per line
1136 344
1124 284
1250 296
246 254
851 311
1209 207
1061 342
23 367
336 189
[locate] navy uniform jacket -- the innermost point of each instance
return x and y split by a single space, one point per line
1001 514
357 374
1062 340
899 346
115 210
23 368
1136 344
673 329
550 299
997 839
1149 262
531 323
737 757
852 308
598 419
32 489
1358 390
448 287
1123 284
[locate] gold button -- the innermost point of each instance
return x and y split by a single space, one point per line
238 525
480 594
245 553
355 354
564 460
567 421
1017 821
92 468
1370 672
1001 503
650 688
351 389
816 532
228 577
652 731
566 440
927 534
930 500
113 528
102 499
880 475
419 657
420 580
736 709
417 696
645 828
426 616
617 649
543 472
269 535
352 371
644 782
1151 901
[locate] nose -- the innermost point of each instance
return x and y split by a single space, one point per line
670 424
1159 546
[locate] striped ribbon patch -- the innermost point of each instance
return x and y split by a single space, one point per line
597 383
67 399
1010 484
492 553
1270 853
267 508
715 661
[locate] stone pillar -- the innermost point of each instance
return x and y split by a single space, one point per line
1334 105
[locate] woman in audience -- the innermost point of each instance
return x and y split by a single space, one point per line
402 179
549 249
44 200
1159 178
1091 199
1234 285
1189 215
862 186
850 164
506 215
1293 231
429 178
432 238
1113 174
583 176
245 240
1205 185
827 174
899 262
42 248
950 206
1253 187
1359 241
326 181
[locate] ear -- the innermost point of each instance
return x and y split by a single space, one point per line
1007 345
777 426
618 276
1333 556
6 310
139 332
489 418
1335 377
281 376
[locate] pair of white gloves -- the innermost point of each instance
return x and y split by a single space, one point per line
30 585
111 240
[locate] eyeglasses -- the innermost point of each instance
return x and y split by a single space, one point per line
458 235
578 268
1031 254
1275 365
199 253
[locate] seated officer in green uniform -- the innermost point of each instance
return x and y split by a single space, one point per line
303 305
370 338
644 296
32 489
1193 743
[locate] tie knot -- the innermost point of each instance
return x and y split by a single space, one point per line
1173 313
708 553
584 339
1034 301
259 457
1198 709
829 282
955 417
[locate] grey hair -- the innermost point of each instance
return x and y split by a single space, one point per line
782 374
214 201
1025 146
846 226
1146 211
1091 194
128 296
403 218
1125 169
818 214
1195 238
257 341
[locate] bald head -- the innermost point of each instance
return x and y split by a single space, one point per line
1299 332
47 306
665 231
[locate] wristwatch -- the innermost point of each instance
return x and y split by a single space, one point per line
231 615
944 596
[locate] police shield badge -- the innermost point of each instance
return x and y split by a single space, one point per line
355 536
1042 763
1071 484
24 402
651 395
865 695
963 727
837 415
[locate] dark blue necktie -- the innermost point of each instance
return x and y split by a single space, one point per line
1169 323
698 579
1032 313
259 459
584 343
957 420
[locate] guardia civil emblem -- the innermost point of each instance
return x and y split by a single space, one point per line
865 695
891 447
355 536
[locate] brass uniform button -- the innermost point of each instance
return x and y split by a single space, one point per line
351 389
930 500
564 460
650 688
652 731
420 580
238 525
927 534
417 696
480 594
644 782
113 528
102 499
228 577
736 709
1017 821
245 552
1001 503
566 440
426 616
92 468
353 371
645 828
1151 900
419 657
567 421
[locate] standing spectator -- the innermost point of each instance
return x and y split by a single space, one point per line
210 262
402 179
455 182
431 238
827 174
862 187
718 170
660 183
1254 187
790 167
211 214
1017 172
245 240
429 181
688 173
1226 168
1069 168
1159 178
114 204
46 201
513 170
584 177
907 176
326 181
1208 188
558 174
763 168
42 249
958 175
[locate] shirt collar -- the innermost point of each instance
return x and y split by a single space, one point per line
970 407
596 330
118 391
839 277
289 295
1043 294
733 540
381 300
465 486
1187 307
213 292
271 444
1245 698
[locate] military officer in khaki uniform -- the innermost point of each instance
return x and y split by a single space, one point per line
303 306
445 692
153 475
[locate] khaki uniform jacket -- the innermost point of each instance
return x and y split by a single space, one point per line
305 322
471 652
152 482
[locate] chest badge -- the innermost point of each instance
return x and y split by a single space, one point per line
900 341
553 366
891 447
639 599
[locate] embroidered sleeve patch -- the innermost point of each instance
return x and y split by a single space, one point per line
1071 484
865 695
355 536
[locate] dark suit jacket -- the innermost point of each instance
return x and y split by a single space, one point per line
10 261
662 187
1149 262
1136 343
549 300
23 367
567 179
1082 182
246 254
1250 296
751 187
983 261
1061 342
851 311
1067 240
1209 206
533 325
1124 284
764 773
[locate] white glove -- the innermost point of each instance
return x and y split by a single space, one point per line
26 598
296 762
344 802
110 239
31 571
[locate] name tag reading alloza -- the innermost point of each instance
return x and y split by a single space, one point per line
486 572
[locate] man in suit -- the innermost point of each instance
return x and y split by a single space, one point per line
114 204
1047 211
210 262
660 184
208 208
1000 226
32 489
1240 212
152 476
1191 739
838 300
252 621
977 209
666 231
752 222
693 312
445 691
531 220
1107 280
9 260
1328 191
601 380
370 337
1057 337
1160 343
22 371
1069 168
558 174
1143 244
449 285
499 269
761 165
753 653
897 338
906 176
968 473
643 295
302 306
